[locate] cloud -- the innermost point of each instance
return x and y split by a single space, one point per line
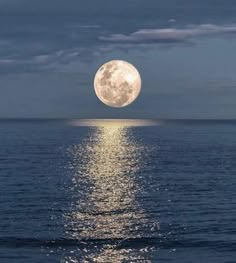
28 45
170 35
42 46
6 61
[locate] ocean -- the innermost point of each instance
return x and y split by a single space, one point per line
117 191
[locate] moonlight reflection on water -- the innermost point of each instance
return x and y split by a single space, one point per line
104 187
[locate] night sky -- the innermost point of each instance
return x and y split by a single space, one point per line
185 51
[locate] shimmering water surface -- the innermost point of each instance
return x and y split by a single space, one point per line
117 191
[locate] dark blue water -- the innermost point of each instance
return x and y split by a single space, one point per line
73 191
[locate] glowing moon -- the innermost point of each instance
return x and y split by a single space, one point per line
117 83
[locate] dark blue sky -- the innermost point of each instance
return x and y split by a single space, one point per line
185 51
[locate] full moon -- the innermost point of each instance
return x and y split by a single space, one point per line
117 83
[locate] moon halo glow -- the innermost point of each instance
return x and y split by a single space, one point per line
117 83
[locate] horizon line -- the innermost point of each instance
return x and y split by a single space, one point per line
74 118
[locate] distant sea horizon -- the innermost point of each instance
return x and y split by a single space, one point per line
104 118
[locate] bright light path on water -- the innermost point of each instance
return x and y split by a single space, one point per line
114 122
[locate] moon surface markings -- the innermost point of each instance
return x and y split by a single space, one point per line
117 83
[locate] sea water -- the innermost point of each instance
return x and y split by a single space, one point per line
117 191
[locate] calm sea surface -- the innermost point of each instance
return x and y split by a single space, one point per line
117 191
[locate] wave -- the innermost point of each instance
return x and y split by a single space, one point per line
120 243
